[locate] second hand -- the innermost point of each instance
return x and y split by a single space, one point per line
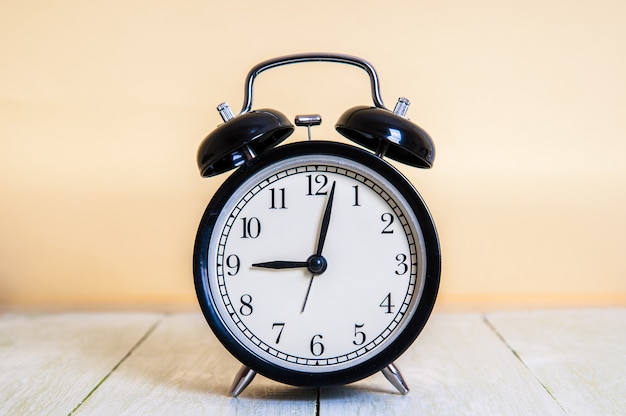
322 237
307 292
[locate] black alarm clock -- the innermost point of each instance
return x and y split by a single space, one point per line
316 263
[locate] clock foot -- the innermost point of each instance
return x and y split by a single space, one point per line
242 379
392 374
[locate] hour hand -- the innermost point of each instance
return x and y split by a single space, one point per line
282 264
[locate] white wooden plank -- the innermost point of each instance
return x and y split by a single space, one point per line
579 355
50 363
181 369
458 366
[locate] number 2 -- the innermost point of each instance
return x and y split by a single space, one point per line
388 219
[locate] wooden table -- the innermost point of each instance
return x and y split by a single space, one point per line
561 362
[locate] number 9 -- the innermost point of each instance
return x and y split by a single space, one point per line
233 263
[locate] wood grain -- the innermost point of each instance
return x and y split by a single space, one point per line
458 366
181 369
579 355
50 363
510 363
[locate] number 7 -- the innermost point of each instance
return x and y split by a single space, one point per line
281 325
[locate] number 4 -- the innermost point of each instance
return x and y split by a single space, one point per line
386 303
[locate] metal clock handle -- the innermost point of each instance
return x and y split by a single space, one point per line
312 57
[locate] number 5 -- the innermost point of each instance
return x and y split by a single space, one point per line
359 336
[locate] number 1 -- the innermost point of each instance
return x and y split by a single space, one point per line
356 196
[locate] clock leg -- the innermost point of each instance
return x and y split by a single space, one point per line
392 374
242 379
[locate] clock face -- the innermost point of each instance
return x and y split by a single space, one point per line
316 259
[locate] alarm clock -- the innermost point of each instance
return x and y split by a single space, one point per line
316 263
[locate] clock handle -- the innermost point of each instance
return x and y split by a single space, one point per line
312 57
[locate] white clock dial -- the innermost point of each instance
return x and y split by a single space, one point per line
307 311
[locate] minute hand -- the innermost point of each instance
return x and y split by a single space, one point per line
325 221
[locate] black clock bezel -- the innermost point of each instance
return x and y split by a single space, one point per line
385 356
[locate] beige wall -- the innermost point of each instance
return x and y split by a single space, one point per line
103 104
